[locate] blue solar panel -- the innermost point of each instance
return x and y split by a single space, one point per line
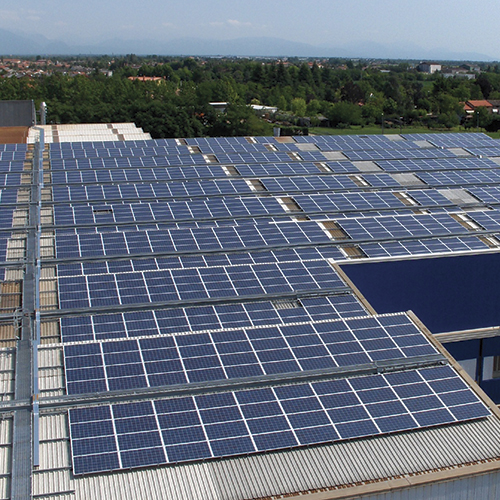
238 423
241 353
102 290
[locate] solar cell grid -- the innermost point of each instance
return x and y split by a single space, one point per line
451 139
486 194
182 240
13 147
234 423
424 247
401 226
101 290
429 197
150 191
356 142
435 164
460 177
301 184
401 154
339 202
165 211
246 352
489 220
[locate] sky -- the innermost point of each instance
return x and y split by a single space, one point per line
457 25
447 294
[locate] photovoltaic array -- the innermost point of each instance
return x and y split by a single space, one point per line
197 282
281 417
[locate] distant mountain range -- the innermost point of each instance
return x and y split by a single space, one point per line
27 44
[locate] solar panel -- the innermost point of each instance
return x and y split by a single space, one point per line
104 290
190 240
395 154
424 247
417 165
166 211
257 351
236 423
460 177
370 228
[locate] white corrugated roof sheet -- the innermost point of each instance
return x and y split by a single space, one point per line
86 132
258 476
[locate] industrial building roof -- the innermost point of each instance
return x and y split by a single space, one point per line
176 322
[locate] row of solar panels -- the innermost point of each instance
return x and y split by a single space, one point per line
412 247
280 185
247 421
186 320
7 156
153 148
251 143
241 208
13 147
124 436
268 157
343 141
250 236
216 283
153 167
160 263
234 354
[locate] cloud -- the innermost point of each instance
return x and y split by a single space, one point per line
22 16
230 22
10 15
236 23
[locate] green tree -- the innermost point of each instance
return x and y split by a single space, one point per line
313 107
239 120
282 103
344 114
449 120
299 106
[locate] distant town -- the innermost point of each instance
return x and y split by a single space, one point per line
38 66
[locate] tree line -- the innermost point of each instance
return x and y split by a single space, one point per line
338 94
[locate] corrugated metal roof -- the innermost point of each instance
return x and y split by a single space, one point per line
5 487
54 455
50 357
51 379
53 427
51 483
7 359
301 470
89 132
5 431
5 459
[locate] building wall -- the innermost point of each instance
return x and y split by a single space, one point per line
477 357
